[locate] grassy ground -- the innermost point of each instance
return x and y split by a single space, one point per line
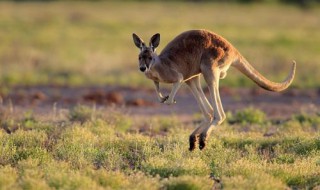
81 43
86 148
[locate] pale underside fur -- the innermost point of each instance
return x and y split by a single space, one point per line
185 58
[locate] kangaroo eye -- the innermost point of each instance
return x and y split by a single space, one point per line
150 58
140 58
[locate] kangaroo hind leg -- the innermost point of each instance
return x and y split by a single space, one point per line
212 76
205 107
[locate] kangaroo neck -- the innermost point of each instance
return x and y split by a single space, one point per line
156 61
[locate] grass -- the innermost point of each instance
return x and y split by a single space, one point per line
85 43
97 152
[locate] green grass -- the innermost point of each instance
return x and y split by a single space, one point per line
98 152
85 43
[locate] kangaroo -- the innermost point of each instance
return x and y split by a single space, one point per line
185 58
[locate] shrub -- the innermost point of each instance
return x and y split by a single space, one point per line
8 177
62 175
172 158
303 173
82 114
31 175
285 159
77 146
248 116
120 121
186 182
22 145
255 180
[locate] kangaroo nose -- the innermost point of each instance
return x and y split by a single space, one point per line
142 69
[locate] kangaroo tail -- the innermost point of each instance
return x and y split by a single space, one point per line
244 66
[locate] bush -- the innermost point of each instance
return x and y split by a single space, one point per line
248 116
82 114
77 146
8 177
188 183
22 145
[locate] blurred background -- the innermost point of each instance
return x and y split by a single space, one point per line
87 43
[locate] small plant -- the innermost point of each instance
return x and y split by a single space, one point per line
82 114
8 177
248 116
120 121
28 121
77 145
188 183
308 121
285 159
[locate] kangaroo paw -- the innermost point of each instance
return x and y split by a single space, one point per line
164 99
193 141
202 141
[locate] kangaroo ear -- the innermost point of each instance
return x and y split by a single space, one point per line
154 41
138 41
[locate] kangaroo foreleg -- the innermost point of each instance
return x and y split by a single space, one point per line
170 99
161 98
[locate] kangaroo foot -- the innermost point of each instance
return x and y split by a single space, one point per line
202 141
193 141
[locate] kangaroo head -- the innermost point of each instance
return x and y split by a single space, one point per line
147 54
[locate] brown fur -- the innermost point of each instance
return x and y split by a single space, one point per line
193 53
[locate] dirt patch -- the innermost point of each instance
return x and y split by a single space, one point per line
139 101
101 97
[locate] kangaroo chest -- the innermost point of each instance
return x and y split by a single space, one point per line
153 76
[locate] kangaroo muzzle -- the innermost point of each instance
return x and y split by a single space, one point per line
143 69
